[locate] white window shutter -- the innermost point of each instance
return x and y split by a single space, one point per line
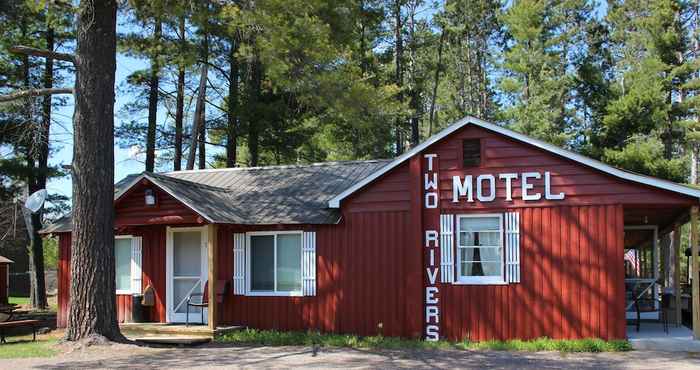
136 253
308 263
447 265
512 247
239 263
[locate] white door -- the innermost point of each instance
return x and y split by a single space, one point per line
186 272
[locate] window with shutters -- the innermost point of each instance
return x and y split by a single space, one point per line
274 263
480 257
471 152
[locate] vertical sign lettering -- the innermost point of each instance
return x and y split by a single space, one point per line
431 215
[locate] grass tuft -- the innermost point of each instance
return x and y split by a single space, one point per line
296 338
26 348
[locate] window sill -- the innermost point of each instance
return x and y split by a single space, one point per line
274 294
481 281
124 292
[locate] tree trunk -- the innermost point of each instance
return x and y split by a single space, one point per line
153 104
92 292
38 286
180 103
254 97
197 117
398 28
415 101
436 83
232 124
202 135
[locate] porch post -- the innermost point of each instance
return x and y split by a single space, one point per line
213 273
695 269
677 272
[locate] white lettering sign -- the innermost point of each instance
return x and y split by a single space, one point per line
486 187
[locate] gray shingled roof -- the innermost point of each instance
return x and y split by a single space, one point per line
296 194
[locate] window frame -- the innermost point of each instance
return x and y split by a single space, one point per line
248 266
131 262
479 280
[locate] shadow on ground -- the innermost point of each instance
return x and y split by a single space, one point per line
217 355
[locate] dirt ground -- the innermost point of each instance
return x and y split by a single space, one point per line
117 356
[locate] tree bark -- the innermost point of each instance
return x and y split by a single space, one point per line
92 293
254 99
436 83
232 118
153 104
197 117
180 101
26 50
34 92
202 133
398 55
38 286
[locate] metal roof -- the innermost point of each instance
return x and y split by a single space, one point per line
296 194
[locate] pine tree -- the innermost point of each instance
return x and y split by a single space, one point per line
543 38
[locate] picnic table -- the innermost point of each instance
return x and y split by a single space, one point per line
7 312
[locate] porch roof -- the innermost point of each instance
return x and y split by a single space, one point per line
297 194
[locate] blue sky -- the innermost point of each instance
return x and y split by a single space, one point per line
126 162
62 134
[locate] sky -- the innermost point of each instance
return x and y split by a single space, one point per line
127 161
62 134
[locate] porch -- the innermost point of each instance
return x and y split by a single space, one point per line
651 337
659 284
180 334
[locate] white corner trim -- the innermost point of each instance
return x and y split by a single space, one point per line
625 175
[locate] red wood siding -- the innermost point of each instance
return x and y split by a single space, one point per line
392 192
572 282
123 308
360 281
131 210
582 185
153 269
3 283
63 277
153 266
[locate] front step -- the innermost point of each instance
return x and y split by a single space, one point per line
172 339
165 329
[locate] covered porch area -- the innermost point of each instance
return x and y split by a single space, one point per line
660 291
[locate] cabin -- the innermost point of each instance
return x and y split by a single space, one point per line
478 233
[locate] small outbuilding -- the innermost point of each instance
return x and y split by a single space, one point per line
478 233
5 279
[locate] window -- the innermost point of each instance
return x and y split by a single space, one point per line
122 256
471 152
274 263
480 249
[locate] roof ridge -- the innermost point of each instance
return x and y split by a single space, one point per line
315 164
165 177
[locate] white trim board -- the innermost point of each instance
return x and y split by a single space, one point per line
600 166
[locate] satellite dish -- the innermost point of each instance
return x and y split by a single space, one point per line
36 200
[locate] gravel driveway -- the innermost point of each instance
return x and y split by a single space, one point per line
218 356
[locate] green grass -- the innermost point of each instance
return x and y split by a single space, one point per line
23 347
291 338
19 300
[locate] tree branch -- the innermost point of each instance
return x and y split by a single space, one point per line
34 92
26 50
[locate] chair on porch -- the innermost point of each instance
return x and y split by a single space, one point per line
201 300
